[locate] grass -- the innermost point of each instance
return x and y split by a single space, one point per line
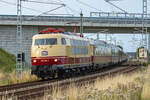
11 78
121 87
146 85
26 77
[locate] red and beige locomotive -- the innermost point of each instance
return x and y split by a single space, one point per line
55 52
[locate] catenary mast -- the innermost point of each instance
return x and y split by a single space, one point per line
19 47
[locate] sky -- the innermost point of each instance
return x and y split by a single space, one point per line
74 7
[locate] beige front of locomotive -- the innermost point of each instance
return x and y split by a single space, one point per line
59 49
47 42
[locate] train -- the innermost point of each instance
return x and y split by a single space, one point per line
142 54
55 53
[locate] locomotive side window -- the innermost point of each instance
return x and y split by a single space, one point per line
71 42
63 41
76 46
51 41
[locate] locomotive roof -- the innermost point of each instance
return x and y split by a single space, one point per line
38 36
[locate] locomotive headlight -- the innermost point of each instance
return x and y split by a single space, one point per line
34 61
55 60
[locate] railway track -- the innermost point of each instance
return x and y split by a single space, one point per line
25 91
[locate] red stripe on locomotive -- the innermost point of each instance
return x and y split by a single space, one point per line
61 60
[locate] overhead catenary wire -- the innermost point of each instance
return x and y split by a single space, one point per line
53 3
85 4
47 12
50 11
73 10
14 4
3 4
108 1
67 8
38 11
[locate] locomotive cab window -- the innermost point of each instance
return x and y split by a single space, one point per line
63 41
49 41
39 42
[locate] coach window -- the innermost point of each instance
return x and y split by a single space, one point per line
73 41
80 52
82 43
86 44
63 41
78 42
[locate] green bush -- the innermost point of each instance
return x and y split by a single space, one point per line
7 61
